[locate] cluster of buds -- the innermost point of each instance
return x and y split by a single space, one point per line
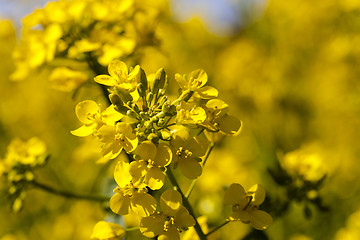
17 167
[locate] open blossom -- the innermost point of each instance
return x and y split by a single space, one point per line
151 160
195 82
245 205
90 114
120 76
116 138
129 194
173 219
188 152
218 118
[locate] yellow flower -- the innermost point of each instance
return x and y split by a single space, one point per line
191 115
129 194
66 79
188 153
218 119
173 219
108 231
152 159
26 153
245 205
195 82
90 114
120 77
115 138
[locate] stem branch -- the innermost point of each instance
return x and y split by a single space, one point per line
68 194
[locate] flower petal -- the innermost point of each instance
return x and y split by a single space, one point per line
183 219
143 204
85 109
138 169
189 167
120 204
106 230
229 124
163 155
83 131
105 80
171 234
170 202
208 92
236 194
152 226
121 174
258 193
155 178
146 150
117 68
200 75
181 81
260 220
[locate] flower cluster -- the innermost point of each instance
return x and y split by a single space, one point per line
159 133
73 37
18 165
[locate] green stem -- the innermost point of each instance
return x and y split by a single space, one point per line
193 183
67 194
186 204
217 228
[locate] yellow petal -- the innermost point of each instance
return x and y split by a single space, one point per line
229 124
83 131
152 226
181 81
171 234
146 150
106 230
121 174
190 168
163 155
240 215
117 68
85 109
236 194
183 219
143 204
258 193
120 204
170 202
260 220
207 92
105 80
200 75
111 116
198 146
154 178
138 169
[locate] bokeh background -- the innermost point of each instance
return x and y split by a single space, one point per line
288 69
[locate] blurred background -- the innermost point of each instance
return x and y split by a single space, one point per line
288 69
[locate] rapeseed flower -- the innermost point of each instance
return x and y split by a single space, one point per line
91 115
107 231
130 195
245 205
173 219
152 160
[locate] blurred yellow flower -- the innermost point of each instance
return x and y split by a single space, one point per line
108 231
245 205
